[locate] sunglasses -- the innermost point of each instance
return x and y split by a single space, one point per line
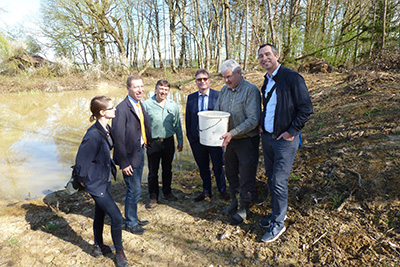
202 79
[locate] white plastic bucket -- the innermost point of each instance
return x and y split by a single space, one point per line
212 125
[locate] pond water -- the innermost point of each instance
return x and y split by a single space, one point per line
41 132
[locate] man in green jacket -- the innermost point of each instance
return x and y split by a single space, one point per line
165 122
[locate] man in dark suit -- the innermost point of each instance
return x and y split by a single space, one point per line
132 131
204 99
286 108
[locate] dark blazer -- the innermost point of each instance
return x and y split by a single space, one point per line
293 107
127 133
93 163
192 108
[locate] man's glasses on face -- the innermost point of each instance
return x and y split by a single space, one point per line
201 79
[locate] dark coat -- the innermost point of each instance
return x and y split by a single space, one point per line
191 117
294 107
93 163
127 134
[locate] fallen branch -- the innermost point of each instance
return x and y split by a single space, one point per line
394 247
339 209
324 234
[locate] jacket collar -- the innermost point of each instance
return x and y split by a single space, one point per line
279 76
130 106
106 135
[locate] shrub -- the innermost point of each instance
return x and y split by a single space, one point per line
63 66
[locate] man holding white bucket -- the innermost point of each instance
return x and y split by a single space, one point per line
243 101
203 100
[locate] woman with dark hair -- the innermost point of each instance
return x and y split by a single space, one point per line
95 167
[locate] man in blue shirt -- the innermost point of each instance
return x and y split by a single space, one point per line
286 108
202 100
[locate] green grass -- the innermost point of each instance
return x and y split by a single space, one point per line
294 177
13 241
52 226
336 200
373 111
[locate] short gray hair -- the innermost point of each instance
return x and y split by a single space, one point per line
232 65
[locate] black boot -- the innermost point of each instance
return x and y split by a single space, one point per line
242 213
232 207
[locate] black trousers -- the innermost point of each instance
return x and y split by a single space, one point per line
202 155
241 160
106 205
160 151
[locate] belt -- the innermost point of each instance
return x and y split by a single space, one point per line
272 134
163 139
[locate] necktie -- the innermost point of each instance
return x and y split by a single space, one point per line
142 122
202 103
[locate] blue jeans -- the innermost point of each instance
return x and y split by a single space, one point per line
278 159
133 190
106 205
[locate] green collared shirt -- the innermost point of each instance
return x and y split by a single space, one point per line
165 122
244 105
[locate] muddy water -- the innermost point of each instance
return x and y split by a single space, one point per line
41 132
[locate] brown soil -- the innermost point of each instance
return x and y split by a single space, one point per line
344 206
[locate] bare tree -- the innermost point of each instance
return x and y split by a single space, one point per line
182 54
227 12
385 3
246 38
173 8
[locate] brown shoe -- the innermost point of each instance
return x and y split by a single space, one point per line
121 259
152 203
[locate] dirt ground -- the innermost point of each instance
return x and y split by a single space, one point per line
344 206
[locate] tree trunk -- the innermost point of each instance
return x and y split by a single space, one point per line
293 9
183 38
227 34
246 36
385 2
206 36
271 23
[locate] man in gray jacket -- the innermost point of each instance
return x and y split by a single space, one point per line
243 101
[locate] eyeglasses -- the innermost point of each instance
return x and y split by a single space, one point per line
110 108
202 79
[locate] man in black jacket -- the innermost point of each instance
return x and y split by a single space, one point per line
286 108
132 132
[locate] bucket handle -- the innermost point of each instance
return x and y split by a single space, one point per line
210 126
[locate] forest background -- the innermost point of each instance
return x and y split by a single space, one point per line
125 35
